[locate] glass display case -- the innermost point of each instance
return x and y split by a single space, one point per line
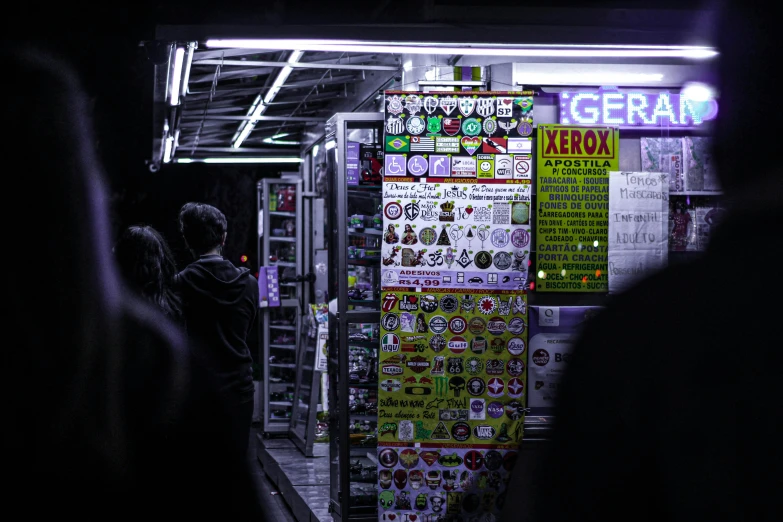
282 248
354 161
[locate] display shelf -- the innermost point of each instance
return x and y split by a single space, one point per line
365 261
283 214
364 188
283 239
367 232
283 346
282 365
281 403
286 264
282 327
364 302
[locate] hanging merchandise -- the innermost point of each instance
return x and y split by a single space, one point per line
452 365
573 165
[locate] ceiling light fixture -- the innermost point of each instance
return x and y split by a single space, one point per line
176 78
188 63
451 83
597 78
473 49
275 140
331 144
267 159
260 105
167 152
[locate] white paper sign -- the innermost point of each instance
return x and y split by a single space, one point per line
638 226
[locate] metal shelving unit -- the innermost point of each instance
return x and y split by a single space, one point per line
354 329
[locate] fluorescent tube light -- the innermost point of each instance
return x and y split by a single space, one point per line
188 63
276 140
407 66
167 152
473 49
179 56
465 83
331 144
268 159
597 78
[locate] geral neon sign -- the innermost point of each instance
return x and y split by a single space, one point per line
633 109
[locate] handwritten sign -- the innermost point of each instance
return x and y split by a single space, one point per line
638 226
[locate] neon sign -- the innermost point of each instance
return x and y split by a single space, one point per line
633 109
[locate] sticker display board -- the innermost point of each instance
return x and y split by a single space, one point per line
553 331
455 255
638 226
573 165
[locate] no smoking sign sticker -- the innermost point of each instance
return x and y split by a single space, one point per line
522 167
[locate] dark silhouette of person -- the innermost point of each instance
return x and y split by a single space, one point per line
220 302
110 414
148 266
668 407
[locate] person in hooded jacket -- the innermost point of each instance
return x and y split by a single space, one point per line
220 304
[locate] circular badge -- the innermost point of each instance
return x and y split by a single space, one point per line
428 303
478 344
428 236
388 458
490 126
415 125
390 322
497 345
477 325
460 431
471 127
496 326
438 324
476 386
515 367
495 409
471 502
514 410
516 326
540 357
495 387
409 458
390 343
457 344
509 460
458 325
474 365
449 304
474 460
502 260
525 129
487 305
495 366
393 210
437 343
515 346
516 388
520 237
418 165
466 480
483 259
499 237
493 460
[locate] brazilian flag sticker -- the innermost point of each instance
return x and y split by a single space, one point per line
398 144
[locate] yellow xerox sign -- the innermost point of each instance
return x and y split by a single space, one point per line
572 187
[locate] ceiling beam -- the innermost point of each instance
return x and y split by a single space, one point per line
259 118
298 65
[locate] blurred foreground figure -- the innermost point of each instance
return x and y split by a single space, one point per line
110 416
669 378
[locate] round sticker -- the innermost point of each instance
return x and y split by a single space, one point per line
449 304
429 303
415 125
515 367
474 460
474 365
458 325
509 460
457 344
476 386
438 324
516 346
516 326
428 236
390 322
520 237
437 343
499 237
487 305
495 409
409 458
477 325
502 260
471 127
483 259
495 366
496 326
514 410
478 344
540 357
392 210
497 345
388 458
495 387
493 460
516 388
460 431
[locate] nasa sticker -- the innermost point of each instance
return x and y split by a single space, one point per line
477 409
390 322
515 346
495 409
516 326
